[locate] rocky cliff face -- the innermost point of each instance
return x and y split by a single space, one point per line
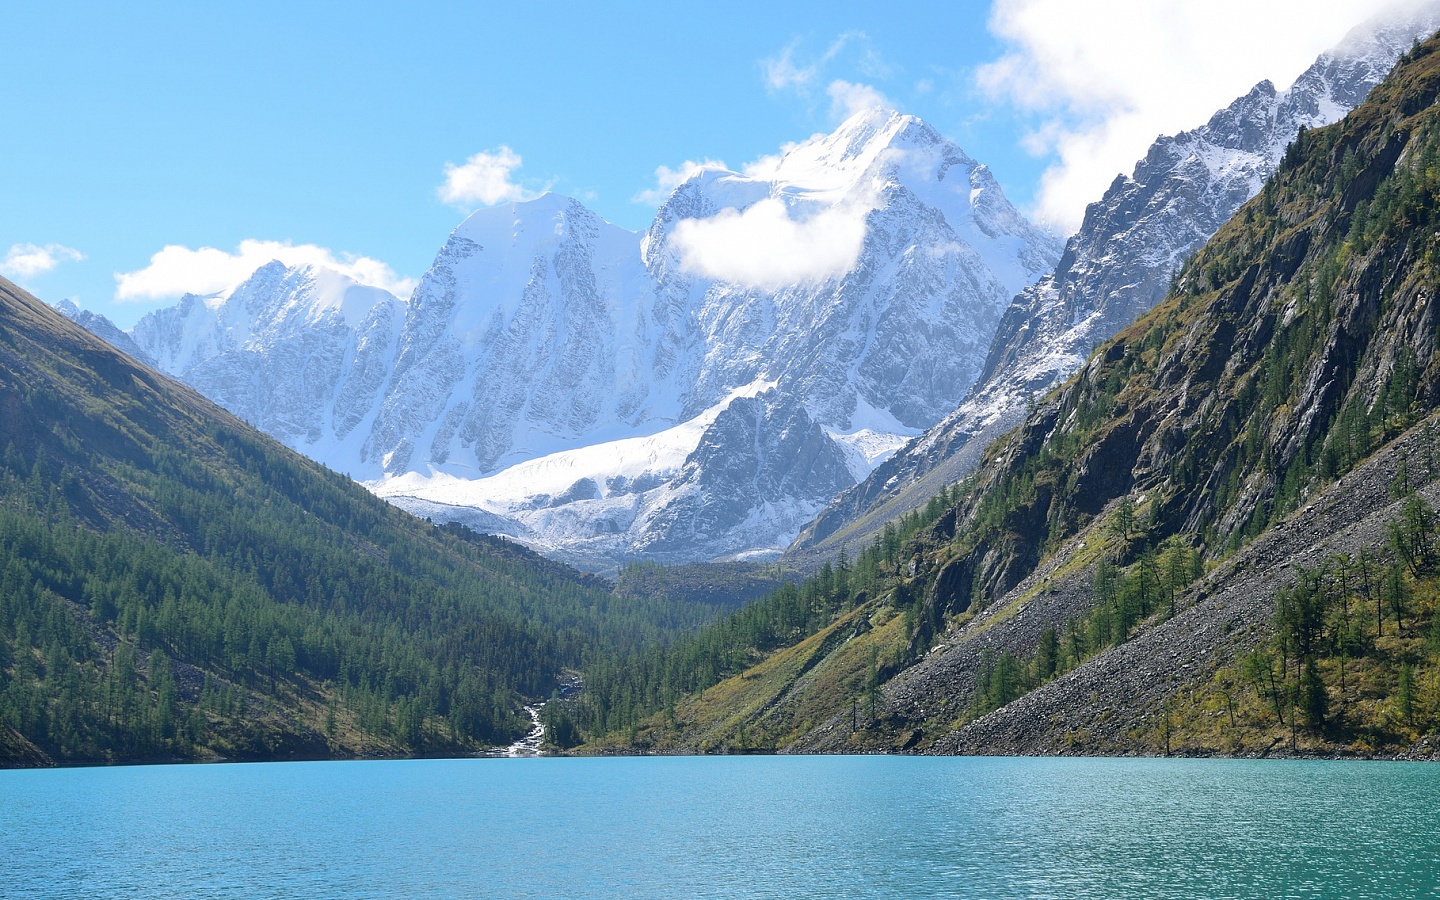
1117 266
712 499
1278 407
299 353
568 382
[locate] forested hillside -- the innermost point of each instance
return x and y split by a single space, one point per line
175 585
1214 497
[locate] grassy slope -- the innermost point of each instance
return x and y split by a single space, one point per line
1301 340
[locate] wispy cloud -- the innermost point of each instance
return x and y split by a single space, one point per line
1106 77
485 179
178 270
792 72
783 73
28 260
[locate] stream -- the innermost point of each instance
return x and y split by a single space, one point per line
529 745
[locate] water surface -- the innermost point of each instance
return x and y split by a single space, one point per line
724 827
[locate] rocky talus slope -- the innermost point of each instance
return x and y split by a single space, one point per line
1112 705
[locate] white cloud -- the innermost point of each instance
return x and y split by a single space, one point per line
851 50
764 247
782 73
28 260
178 270
1106 77
486 179
848 98
668 179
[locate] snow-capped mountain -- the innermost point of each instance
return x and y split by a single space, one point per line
104 329
532 332
1117 266
719 379
898 330
300 353
606 394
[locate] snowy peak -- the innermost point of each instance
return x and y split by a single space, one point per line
277 297
545 340
274 301
1119 264
832 187
855 161
863 147
872 148
299 352
497 254
532 224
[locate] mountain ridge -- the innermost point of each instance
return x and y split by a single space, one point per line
1187 548
1118 265
544 337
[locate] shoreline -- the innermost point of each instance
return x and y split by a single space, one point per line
504 752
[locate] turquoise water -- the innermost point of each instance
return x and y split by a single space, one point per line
725 827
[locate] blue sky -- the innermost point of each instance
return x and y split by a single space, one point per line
136 127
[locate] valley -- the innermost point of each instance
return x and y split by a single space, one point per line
945 485
1119 572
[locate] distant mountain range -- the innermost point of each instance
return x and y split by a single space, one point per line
606 395
746 370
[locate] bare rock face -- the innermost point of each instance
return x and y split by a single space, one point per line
299 353
1116 267
712 500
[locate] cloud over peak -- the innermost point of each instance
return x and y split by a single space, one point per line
177 270
1104 78
847 98
764 246
668 179
785 74
485 179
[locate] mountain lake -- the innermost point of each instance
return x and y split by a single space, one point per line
869 826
